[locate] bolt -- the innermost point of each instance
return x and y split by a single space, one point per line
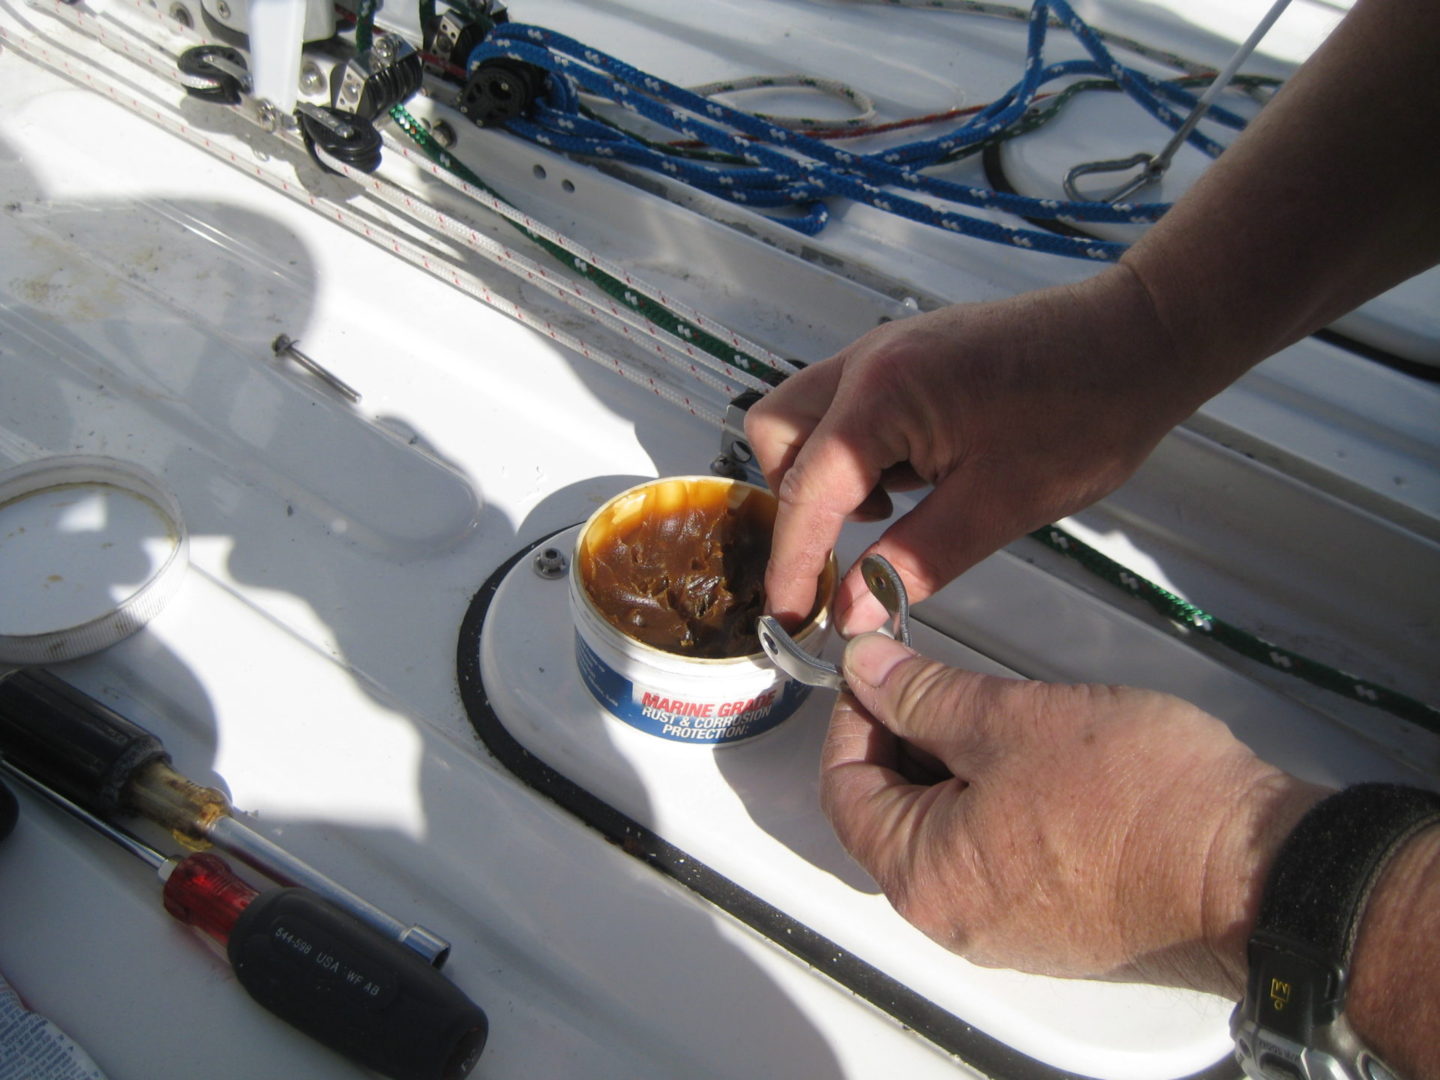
443 133
284 345
312 79
222 9
550 563
181 14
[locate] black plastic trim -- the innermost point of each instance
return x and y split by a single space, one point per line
946 1030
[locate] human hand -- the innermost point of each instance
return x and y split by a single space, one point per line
1018 412
1089 831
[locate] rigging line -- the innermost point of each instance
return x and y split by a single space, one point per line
1237 639
83 72
823 169
1020 14
573 293
744 357
1181 611
805 179
678 318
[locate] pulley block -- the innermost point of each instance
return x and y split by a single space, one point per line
500 89
214 73
337 140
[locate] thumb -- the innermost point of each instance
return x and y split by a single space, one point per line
896 685
947 712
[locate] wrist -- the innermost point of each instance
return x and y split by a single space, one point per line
1242 852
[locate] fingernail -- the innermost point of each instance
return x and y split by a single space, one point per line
869 658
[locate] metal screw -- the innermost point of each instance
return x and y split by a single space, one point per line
284 345
222 9
312 79
550 563
443 133
181 14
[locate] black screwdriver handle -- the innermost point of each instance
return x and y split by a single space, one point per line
354 990
75 744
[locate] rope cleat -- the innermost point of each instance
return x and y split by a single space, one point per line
367 85
500 89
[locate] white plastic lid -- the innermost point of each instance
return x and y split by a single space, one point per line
90 550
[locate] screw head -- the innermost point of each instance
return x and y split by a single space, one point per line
312 79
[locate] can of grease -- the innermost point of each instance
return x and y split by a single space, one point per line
665 586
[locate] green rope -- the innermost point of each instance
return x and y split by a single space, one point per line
1166 603
1238 640
654 312
365 24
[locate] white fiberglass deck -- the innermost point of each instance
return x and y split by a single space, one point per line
308 664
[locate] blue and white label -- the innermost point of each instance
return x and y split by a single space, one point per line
684 718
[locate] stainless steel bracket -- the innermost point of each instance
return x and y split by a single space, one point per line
885 585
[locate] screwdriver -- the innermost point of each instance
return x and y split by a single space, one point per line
311 964
112 766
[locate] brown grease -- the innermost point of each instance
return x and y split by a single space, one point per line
680 565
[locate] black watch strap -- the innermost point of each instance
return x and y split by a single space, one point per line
1315 897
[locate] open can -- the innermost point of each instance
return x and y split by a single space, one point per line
670 690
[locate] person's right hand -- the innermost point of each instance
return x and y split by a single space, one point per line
1018 412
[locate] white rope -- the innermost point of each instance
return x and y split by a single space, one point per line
91 73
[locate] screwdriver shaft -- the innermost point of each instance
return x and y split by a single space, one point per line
126 840
268 857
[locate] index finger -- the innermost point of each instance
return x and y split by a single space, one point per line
817 494
865 798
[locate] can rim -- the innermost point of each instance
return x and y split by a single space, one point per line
123 617
817 622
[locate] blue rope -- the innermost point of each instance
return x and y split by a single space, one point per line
791 170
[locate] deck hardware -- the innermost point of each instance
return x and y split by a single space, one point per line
312 79
214 72
1153 167
550 563
376 81
885 585
338 140
500 89
284 345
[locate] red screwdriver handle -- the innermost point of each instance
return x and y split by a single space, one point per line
203 892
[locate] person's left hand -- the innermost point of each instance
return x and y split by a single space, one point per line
1083 830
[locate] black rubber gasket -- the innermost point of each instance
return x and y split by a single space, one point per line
946 1030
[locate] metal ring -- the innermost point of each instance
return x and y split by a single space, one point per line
116 618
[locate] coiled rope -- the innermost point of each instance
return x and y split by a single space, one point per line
1188 615
791 169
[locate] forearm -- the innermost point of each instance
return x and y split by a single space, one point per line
1393 1000
1329 198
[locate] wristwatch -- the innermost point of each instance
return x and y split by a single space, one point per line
1291 1024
